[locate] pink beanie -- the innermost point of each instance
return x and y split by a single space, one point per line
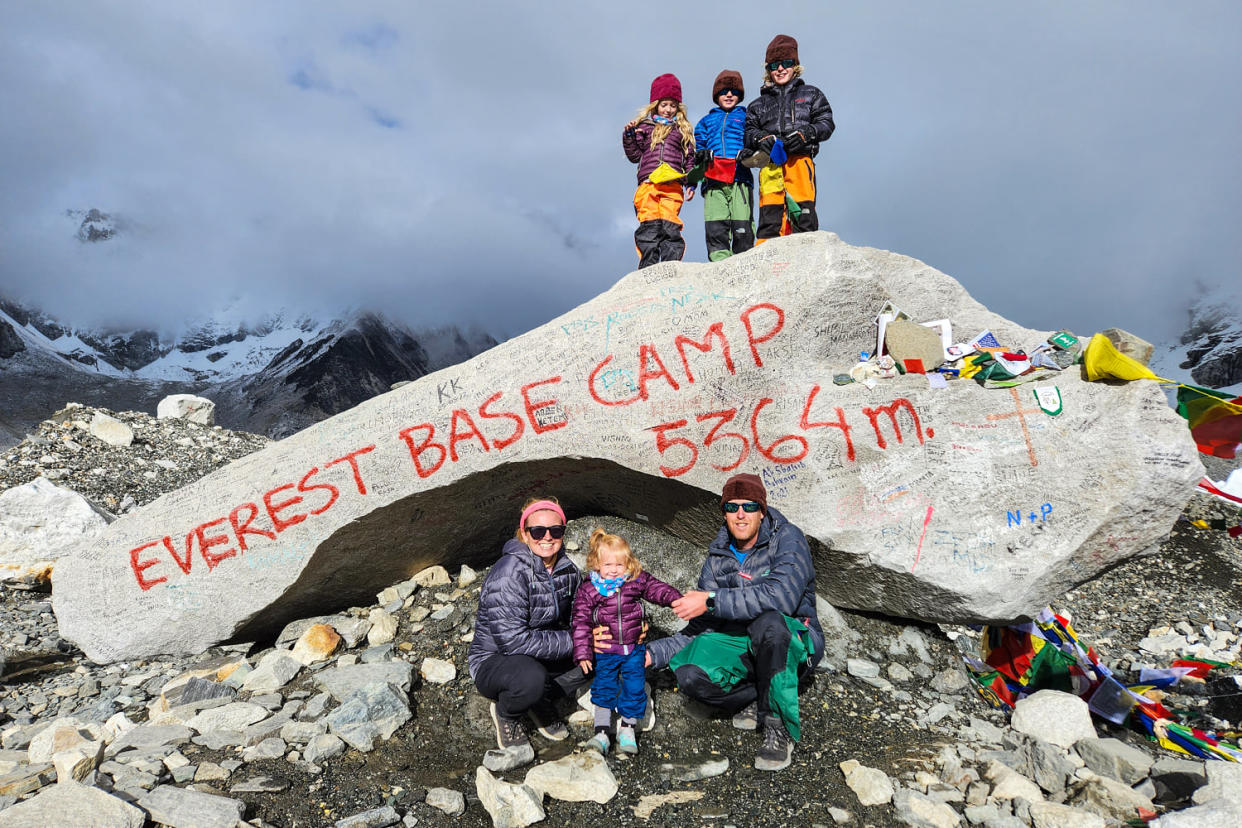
666 86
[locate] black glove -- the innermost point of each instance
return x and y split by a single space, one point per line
767 142
795 142
702 157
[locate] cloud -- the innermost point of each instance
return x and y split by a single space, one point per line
1074 166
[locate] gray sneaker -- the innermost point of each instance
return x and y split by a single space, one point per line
777 749
547 723
599 743
748 717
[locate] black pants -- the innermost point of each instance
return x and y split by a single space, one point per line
658 241
770 639
519 682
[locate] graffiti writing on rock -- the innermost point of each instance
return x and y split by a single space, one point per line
727 438
1017 516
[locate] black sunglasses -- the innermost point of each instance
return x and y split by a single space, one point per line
737 93
787 63
749 507
537 532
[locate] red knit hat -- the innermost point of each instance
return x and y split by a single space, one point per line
728 79
666 86
782 47
744 487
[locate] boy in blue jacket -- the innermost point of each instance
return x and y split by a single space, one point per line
728 185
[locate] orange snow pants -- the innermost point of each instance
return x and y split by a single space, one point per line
794 179
658 237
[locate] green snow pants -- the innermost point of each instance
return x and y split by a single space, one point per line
727 217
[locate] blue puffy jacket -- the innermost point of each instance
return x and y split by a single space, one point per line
723 133
524 609
777 574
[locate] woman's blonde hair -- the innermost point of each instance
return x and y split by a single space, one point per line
531 502
767 76
603 540
662 130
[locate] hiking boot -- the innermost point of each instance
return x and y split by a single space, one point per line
547 723
748 717
627 741
599 742
777 747
510 733
514 746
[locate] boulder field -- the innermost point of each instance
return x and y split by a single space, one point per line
953 504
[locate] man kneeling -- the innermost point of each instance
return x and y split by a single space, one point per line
753 629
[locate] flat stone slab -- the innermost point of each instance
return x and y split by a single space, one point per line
69 803
955 504
184 808
343 681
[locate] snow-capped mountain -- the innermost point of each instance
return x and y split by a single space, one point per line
1209 351
274 376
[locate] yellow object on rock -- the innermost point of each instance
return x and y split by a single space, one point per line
1103 361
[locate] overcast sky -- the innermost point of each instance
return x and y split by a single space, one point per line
1073 164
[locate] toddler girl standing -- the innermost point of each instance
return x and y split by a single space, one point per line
661 142
614 597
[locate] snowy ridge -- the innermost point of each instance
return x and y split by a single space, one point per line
1209 351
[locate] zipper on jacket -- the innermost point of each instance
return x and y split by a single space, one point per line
724 122
625 648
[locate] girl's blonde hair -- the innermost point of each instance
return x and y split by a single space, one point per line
603 540
767 76
531 501
662 130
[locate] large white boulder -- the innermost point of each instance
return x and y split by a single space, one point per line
187 407
943 504
39 523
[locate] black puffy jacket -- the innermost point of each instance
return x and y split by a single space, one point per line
524 609
793 107
778 574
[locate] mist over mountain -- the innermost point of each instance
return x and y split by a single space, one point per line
272 373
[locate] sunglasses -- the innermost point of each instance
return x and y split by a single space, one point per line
737 93
787 63
750 507
537 532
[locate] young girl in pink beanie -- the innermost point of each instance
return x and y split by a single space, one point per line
661 142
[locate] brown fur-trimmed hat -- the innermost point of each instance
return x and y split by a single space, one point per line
782 47
745 487
728 79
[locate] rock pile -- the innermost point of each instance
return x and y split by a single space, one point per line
368 718
163 455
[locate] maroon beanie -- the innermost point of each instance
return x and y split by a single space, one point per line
728 79
745 487
782 47
666 86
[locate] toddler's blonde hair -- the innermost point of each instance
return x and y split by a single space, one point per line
601 540
662 130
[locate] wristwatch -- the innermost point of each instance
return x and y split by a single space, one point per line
711 602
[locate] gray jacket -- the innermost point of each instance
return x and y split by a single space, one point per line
524 610
777 575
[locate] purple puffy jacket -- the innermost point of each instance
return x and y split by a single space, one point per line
637 145
622 612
